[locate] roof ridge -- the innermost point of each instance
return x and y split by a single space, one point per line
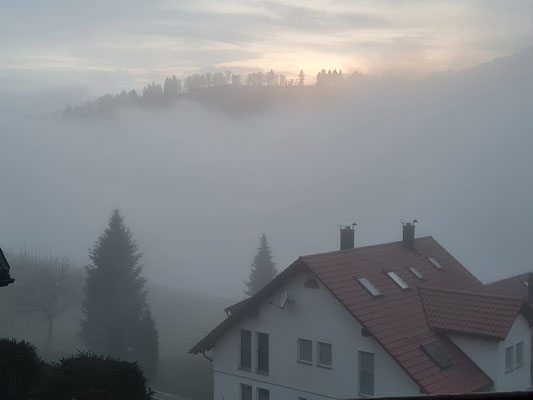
363 247
479 294
507 279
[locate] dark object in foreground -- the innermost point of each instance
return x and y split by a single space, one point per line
88 376
467 396
20 369
5 279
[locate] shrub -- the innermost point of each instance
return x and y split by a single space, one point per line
87 376
21 369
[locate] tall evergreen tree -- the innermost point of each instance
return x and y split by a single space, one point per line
117 320
263 270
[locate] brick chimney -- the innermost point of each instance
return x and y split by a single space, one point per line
347 236
409 234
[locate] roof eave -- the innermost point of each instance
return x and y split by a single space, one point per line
249 308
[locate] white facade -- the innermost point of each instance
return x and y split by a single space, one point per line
316 315
489 355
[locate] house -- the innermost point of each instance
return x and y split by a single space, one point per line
5 279
395 319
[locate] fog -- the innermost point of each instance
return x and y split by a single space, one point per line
198 186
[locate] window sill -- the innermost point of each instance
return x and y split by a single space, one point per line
365 395
508 371
261 372
304 362
324 366
245 369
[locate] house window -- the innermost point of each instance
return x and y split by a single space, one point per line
262 352
305 351
245 359
246 392
509 359
366 373
311 283
324 354
519 355
263 394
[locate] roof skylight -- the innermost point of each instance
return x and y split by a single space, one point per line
368 286
399 281
415 272
434 352
435 263
526 283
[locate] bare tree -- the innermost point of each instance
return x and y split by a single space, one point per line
46 286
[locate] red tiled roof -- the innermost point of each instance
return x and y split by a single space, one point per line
512 287
397 319
470 313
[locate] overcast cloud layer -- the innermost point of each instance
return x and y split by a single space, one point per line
106 46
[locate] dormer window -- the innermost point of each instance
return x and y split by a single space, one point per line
399 281
311 283
436 354
435 263
369 287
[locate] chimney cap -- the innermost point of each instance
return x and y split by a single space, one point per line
343 225
405 223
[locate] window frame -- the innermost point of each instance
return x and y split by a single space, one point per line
257 370
258 392
518 364
362 373
311 283
241 366
320 364
300 360
242 386
509 359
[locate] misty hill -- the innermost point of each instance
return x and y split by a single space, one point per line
226 92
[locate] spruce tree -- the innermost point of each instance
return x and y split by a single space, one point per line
117 320
263 270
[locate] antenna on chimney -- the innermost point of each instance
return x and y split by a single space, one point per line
408 238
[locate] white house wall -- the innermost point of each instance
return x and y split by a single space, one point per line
318 316
489 355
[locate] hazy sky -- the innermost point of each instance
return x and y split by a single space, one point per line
110 45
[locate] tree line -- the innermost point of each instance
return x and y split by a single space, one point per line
155 94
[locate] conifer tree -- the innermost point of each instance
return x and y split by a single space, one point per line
263 270
117 320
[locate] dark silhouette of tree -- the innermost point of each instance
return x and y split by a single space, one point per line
21 370
47 286
153 94
271 78
263 270
236 80
301 78
329 78
171 89
117 319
